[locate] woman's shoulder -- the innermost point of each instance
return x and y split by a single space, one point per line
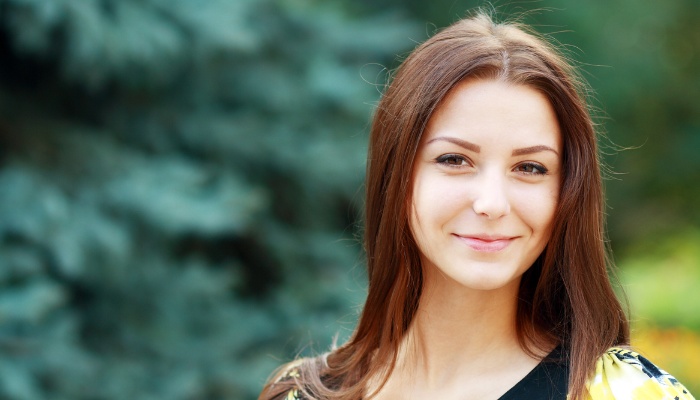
624 374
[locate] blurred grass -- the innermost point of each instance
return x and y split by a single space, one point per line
662 281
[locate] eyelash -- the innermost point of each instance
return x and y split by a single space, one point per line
443 159
535 168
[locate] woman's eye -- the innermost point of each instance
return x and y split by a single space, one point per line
453 160
531 169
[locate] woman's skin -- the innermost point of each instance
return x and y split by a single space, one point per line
485 187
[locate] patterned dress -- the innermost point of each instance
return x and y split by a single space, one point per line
620 374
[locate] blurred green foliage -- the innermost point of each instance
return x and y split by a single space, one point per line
180 181
661 280
178 190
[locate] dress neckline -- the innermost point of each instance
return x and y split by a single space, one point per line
548 380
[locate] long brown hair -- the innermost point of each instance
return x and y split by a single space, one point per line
565 297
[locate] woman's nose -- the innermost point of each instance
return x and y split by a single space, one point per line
490 198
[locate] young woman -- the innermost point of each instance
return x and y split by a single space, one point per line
484 235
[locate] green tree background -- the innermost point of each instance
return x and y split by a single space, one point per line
181 181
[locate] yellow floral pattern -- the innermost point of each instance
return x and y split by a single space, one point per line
293 395
622 374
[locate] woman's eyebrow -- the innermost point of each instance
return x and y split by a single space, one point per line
459 142
476 148
533 149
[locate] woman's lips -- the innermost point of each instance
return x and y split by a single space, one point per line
487 244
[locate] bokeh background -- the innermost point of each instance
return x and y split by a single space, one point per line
181 180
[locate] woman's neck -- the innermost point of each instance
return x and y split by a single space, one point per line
462 344
454 324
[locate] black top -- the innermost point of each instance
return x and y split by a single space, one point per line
549 380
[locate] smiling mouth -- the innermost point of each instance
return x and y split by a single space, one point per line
486 244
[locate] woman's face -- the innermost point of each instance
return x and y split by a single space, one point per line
485 184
